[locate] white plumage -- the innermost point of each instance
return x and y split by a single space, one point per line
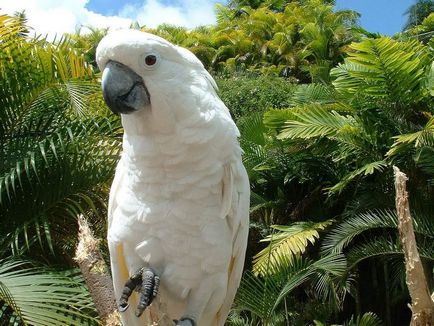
180 198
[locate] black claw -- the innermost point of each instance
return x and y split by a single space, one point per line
146 283
148 291
123 307
130 285
156 286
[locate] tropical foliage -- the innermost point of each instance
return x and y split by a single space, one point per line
300 40
58 153
40 296
417 12
377 113
325 110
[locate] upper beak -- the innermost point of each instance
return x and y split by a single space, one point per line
124 91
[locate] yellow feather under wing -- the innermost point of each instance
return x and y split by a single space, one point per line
119 267
120 274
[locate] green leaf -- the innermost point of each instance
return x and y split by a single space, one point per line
289 241
365 170
314 121
344 233
423 137
384 70
42 297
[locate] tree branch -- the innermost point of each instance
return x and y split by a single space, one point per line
422 306
100 284
96 274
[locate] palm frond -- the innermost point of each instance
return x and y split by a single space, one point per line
289 241
367 319
342 235
421 138
57 154
314 121
64 178
41 297
235 319
385 246
385 70
313 93
262 295
334 266
275 119
365 170
252 128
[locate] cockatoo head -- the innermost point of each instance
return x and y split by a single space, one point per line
144 72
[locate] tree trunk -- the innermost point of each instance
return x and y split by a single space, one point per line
422 306
100 284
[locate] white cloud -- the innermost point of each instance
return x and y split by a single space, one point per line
51 17
190 13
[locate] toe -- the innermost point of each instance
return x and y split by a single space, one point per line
186 321
123 307
148 290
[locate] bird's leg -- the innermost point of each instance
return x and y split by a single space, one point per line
133 283
144 281
148 290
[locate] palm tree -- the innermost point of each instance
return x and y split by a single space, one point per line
56 157
86 43
372 238
59 148
417 12
377 98
32 295
268 299
377 114
367 319
296 37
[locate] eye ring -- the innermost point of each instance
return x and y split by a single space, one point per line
151 60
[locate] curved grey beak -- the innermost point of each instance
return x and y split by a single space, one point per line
124 91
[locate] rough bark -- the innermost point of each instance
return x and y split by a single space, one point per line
422 306
100 284
96 274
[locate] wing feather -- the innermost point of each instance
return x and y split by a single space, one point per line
238 218
117 180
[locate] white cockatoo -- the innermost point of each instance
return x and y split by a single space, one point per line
179 202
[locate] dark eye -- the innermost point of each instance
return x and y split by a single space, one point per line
150 60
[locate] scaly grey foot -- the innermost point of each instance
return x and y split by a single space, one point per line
148 290
144 281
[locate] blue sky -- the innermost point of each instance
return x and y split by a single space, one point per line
384 16
51 17
110 7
